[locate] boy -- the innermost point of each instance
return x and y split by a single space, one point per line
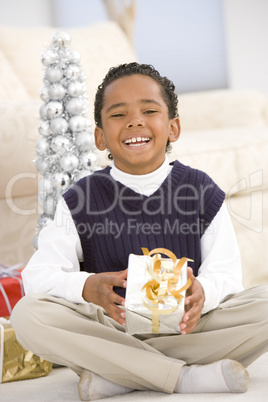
76 317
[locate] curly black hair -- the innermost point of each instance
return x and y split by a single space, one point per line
123 70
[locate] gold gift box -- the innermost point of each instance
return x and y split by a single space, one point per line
17 363
156 289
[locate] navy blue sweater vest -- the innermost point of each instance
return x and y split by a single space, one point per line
113 221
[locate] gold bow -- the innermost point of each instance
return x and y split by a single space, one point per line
165 274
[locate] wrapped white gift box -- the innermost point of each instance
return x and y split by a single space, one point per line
155 294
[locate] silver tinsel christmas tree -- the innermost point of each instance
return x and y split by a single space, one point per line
65 150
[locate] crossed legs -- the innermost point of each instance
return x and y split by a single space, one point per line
83 337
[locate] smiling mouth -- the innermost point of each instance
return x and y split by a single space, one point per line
137 141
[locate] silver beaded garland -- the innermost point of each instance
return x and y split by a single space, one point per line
74 56
59 125
69 162
43 111
75 106
45 185
48 205
42 145
54 74
65 150
77 123
44 94
42 165
60 144
61 38
75 88
84 140
49 57
56 92
44 128
62 180
54 109
89 160
72 71
44 220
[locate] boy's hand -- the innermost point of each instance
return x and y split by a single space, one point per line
98 289
194 303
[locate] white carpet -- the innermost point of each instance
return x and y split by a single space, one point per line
61 386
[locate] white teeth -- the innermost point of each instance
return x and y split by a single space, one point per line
136 145
138 139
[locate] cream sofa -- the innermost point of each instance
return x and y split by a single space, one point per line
224 132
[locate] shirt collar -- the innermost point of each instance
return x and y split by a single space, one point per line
145 184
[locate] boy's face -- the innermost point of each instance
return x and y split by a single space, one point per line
135 124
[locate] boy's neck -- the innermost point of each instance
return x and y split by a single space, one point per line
145 184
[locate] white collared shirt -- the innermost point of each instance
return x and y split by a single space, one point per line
55 266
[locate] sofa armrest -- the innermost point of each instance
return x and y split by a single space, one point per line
18 134
222 108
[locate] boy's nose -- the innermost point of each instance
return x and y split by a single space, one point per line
135 123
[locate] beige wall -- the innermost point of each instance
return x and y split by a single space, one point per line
29 13
242 56
246 26
183 39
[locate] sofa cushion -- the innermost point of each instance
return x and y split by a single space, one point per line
18 217
11 86
223 108
18 135
236 158
249 214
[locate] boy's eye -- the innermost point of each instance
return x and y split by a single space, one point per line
117 115
150 111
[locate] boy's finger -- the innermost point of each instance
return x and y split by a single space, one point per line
189 272
124 273
117 281
116 299
117 314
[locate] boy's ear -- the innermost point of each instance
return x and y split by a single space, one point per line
99 139
174 129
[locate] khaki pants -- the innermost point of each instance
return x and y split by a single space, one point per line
82 336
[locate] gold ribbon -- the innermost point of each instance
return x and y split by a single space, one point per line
162 283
